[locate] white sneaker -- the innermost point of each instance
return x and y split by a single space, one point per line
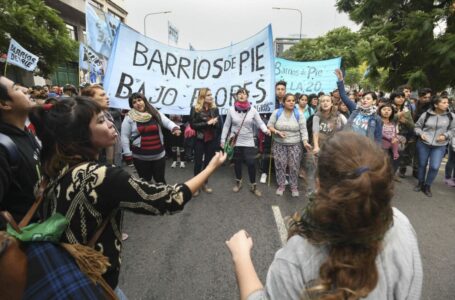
263 178
286 182
182 165
174 164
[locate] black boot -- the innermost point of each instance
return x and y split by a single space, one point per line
427 190
418 187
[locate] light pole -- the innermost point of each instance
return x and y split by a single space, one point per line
154 13
300 12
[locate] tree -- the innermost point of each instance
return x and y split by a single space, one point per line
39 29
338 42
401 38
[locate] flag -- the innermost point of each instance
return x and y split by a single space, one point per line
19 56
99 30
173 33
88 59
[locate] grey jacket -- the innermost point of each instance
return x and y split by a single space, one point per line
246 135
435 126
399 266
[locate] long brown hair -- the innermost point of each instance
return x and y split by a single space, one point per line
148 107
200 100
350 214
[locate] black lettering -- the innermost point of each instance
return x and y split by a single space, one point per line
252 59
141 52
165 96
170 64
232 97
126 81
220 68
159 61
194 68
258 57
222 89
142 89
264 92
194 97
199 69
182 66
161 89
244 55
227 65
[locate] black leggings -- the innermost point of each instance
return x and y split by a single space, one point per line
204 150
148 169
247 154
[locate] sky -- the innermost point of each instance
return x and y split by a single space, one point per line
213 24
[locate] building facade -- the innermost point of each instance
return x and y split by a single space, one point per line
73 14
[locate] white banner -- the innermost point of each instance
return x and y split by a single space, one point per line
171 77
19 56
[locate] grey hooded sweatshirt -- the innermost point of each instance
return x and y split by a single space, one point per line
434 126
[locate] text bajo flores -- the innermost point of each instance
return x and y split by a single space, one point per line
251 60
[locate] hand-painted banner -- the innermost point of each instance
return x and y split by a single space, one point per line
307 77
91 65
171 77
101 29
19 56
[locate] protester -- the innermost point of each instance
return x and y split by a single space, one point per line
349 243
177 143
69 90
303 106
289 129
87 192
450 165
266 143
205 119
142 138
326 122
434 129
363 119
390 141
240 121
20 168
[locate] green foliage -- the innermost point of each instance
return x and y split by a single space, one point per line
338 42
400 39
39 29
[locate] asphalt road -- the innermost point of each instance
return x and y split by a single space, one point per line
183 256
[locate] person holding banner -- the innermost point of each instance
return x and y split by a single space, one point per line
205 120
364 118
289 129
240 121
142 138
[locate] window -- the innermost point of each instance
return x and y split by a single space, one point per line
71 31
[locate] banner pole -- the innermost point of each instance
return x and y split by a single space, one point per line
6 64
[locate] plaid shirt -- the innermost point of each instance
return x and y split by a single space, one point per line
53 274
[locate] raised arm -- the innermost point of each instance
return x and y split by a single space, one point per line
344 97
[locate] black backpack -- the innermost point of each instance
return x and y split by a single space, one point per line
12 152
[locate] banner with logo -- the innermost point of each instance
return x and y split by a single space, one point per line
309 77
19 56
171 77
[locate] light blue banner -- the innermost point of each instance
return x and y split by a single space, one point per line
19 56
171 77
307 77
100 29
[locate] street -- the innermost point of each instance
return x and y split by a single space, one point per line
183 256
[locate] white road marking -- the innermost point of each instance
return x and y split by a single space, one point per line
280 224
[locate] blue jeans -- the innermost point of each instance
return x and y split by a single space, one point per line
432 153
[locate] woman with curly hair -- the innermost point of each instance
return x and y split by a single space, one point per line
349 242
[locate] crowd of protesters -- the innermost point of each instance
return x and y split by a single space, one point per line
70 137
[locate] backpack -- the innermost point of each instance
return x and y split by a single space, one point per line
12 152
281 109
427 116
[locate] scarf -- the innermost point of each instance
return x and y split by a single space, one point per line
367 111
242 106
138 116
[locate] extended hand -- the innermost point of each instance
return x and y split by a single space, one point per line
240 244
339 74
217 160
